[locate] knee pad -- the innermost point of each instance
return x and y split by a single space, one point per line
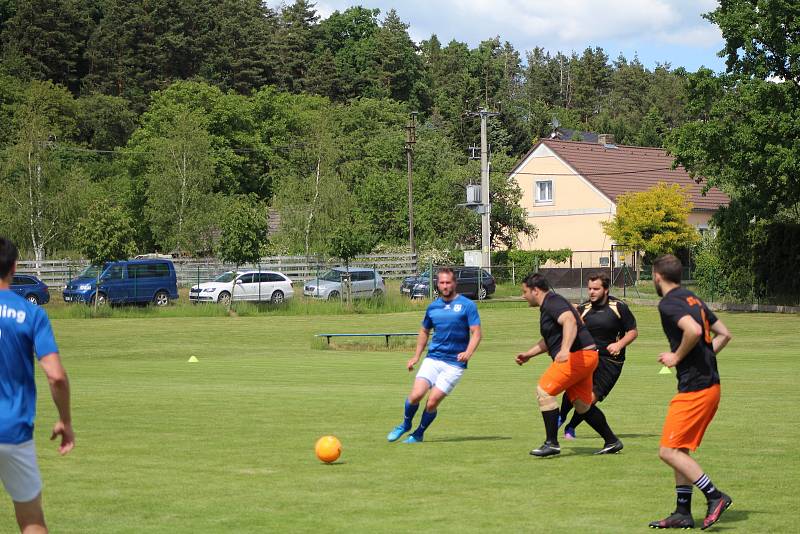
547 402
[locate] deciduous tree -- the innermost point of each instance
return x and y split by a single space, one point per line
653 221
105 233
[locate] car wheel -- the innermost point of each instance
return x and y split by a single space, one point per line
377 293
161 299
277 297
33 299
101 298
482 293
333 295
224 298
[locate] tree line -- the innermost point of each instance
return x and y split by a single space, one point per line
170 109
174 111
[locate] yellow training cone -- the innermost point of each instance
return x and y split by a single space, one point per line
664 370
193 360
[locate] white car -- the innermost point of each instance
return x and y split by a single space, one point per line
252 286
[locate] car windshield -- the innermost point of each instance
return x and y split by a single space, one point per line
332 276
90 271
225 277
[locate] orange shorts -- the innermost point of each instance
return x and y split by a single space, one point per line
688 417
573 376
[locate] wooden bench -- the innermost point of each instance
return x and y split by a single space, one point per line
387 335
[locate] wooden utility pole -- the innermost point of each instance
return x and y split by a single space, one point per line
411 139
485 208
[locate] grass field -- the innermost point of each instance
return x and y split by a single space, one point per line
226 444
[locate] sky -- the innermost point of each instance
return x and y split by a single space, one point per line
657 31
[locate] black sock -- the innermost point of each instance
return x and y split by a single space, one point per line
597 420
684 505
566 406
575 421
551 425
705 485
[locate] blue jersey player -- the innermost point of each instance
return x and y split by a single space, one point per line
456 334
25 335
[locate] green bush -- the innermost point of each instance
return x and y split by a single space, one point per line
709 272
528 261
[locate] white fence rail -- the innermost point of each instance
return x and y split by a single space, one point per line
194 270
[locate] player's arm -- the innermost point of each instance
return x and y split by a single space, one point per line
630 336
569 330
721 336
422 342
474 341
59 389
628 323
692 332
537 349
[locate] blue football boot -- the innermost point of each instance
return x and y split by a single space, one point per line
397 431
413 438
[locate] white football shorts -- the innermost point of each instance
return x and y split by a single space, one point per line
439 374
19 471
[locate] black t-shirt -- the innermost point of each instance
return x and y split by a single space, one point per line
698 370
552 308
607 323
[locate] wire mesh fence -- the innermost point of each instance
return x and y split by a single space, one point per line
190 271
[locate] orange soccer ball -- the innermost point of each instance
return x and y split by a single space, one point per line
328 449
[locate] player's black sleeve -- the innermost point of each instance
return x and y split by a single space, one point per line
673 309
557 306
712 318
626 316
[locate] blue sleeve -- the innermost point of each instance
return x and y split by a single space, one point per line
427 323
44 342
472 315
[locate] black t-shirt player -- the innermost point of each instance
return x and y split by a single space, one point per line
552 332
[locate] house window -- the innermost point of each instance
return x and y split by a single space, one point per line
544 192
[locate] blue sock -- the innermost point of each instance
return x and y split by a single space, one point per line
427 419
408 414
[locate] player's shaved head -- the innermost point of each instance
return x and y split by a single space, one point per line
8 256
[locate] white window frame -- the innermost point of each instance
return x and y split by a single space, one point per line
543 202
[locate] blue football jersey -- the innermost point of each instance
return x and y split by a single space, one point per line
450 322
25 333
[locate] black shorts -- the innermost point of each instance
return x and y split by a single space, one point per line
605 376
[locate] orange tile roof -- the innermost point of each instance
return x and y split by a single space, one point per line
625 169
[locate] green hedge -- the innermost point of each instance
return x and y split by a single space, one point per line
527 261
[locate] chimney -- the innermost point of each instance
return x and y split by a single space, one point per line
606 139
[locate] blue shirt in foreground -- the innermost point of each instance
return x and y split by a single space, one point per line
450 322
25 332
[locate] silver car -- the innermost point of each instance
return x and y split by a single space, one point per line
364 283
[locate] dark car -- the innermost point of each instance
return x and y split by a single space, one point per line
123 282
30 288
472 282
